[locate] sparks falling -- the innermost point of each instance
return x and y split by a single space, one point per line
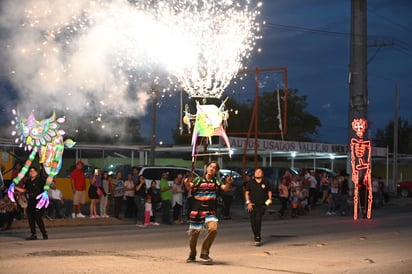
105 51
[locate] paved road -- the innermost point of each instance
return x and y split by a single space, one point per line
309 244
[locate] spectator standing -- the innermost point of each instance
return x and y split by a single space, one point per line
166 195
140 200
324 187
385 195
135 175
283 196
333 198
344 194
118 193
94 191
258 196
129 191
177 199
105 197
313 187
227 199
156 200
376 192
287 176
78 180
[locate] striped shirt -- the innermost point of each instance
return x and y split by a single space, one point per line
204 190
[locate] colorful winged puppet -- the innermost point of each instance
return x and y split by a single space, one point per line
209 121
44 138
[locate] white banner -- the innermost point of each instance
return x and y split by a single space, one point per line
302 147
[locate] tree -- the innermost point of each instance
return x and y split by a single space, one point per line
384 137
301 124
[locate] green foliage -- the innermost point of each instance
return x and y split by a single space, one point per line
301 125
385 137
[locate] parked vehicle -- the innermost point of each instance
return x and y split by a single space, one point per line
151 173
113 168
272 174
404 188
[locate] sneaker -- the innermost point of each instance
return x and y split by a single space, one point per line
205 259
31 238
154 223
79 215
258 241
106 216
140 225
45 237
191 259
328 213
92 216
74 215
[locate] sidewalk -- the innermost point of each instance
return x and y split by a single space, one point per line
238 212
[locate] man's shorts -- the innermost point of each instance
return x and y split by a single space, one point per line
79 197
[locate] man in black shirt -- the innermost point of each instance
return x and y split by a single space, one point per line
258 196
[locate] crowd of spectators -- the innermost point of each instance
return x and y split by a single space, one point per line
112 196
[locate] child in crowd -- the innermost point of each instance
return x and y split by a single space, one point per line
148 210
304 201
294 199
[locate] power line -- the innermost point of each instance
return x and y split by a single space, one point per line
389 20
313 30
402 47
304 29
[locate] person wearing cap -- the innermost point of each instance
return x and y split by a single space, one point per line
78 179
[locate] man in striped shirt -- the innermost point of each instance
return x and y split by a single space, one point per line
203 210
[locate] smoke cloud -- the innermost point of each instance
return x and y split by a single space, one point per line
104 57
65 56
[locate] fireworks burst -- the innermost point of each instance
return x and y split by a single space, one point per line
101 51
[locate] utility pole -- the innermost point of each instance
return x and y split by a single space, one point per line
154 112
392 187
358 67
